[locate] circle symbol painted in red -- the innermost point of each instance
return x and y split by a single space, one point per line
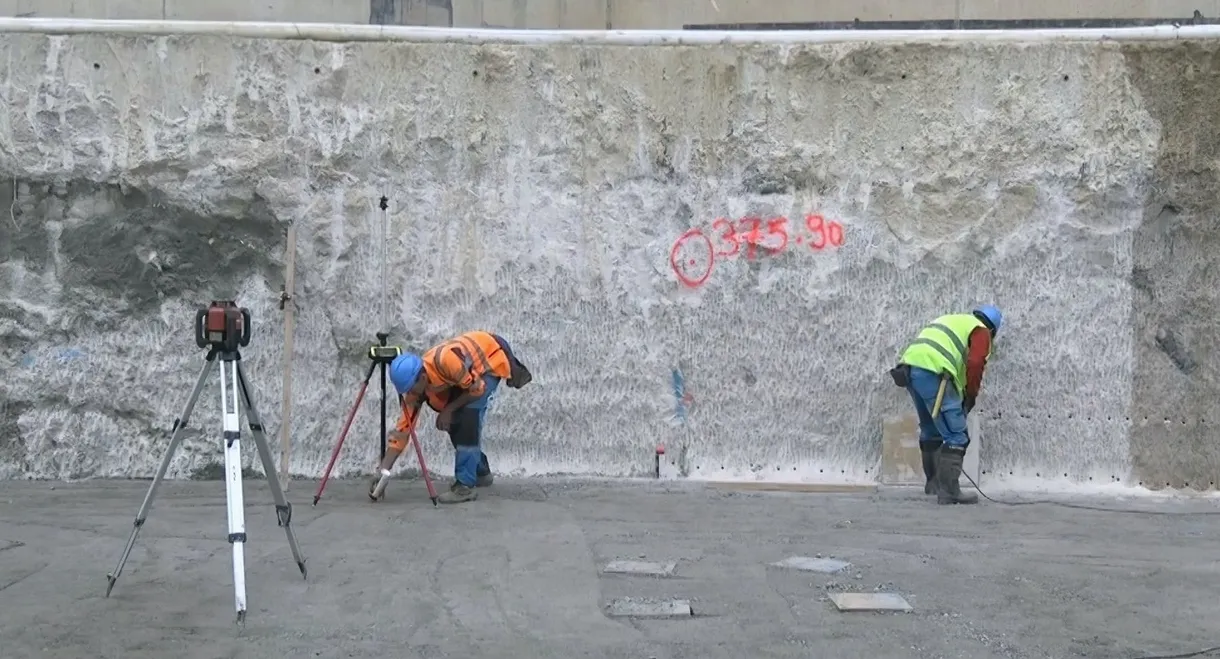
692 258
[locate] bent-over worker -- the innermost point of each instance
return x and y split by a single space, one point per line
953 348
458 379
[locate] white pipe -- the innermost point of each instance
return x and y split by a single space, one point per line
352 32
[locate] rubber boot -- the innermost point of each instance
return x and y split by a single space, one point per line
927 451
948 471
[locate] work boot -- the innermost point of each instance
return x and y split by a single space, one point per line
458 494
485 479
948 471
927 451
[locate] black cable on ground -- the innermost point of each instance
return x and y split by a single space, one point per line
1186 655
1081 506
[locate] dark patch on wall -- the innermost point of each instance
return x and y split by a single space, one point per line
122 252
383 12
142 254
1175 268
13 450
956 24
433 13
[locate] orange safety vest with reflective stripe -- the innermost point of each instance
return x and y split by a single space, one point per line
460 363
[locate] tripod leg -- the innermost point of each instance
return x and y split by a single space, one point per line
175 438
343 434
283 509
383 428
423 468
233 486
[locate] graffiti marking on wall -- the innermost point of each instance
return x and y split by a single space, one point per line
694 254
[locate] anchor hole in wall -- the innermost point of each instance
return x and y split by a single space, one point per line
96 66
904 76
1065 76
317 69
1090 478
1065 474
1038 474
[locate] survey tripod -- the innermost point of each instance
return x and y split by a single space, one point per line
222 328
380 356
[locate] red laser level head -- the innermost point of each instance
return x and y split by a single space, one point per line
223 326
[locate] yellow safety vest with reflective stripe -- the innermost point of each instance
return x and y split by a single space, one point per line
941 347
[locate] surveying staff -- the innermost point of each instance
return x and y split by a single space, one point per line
458 379
955 348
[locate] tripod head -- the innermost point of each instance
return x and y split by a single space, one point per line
223 326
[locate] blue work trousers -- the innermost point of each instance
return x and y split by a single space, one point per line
950 423
466 433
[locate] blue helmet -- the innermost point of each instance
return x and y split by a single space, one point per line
404 371
990 314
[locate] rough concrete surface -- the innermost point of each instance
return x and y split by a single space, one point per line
539 192
517 574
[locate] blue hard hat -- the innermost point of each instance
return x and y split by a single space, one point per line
404 371
991 315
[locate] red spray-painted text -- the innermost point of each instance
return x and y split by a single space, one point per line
694 254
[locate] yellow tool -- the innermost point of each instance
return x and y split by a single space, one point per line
940 396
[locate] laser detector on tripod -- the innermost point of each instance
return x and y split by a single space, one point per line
222 328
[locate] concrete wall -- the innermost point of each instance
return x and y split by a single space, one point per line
600 14
570 198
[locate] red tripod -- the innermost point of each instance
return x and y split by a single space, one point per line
380 355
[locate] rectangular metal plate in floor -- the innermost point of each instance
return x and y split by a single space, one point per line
870 602
641 568
629 607
823 565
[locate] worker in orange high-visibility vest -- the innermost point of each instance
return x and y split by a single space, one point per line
458 379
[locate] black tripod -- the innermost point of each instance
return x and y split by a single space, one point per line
380 356
222 328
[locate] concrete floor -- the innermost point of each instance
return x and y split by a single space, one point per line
518 574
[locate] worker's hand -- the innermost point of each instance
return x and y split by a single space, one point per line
968 404
444 420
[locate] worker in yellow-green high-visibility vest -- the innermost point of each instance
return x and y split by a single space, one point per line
953 348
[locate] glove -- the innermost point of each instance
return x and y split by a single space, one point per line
968 404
